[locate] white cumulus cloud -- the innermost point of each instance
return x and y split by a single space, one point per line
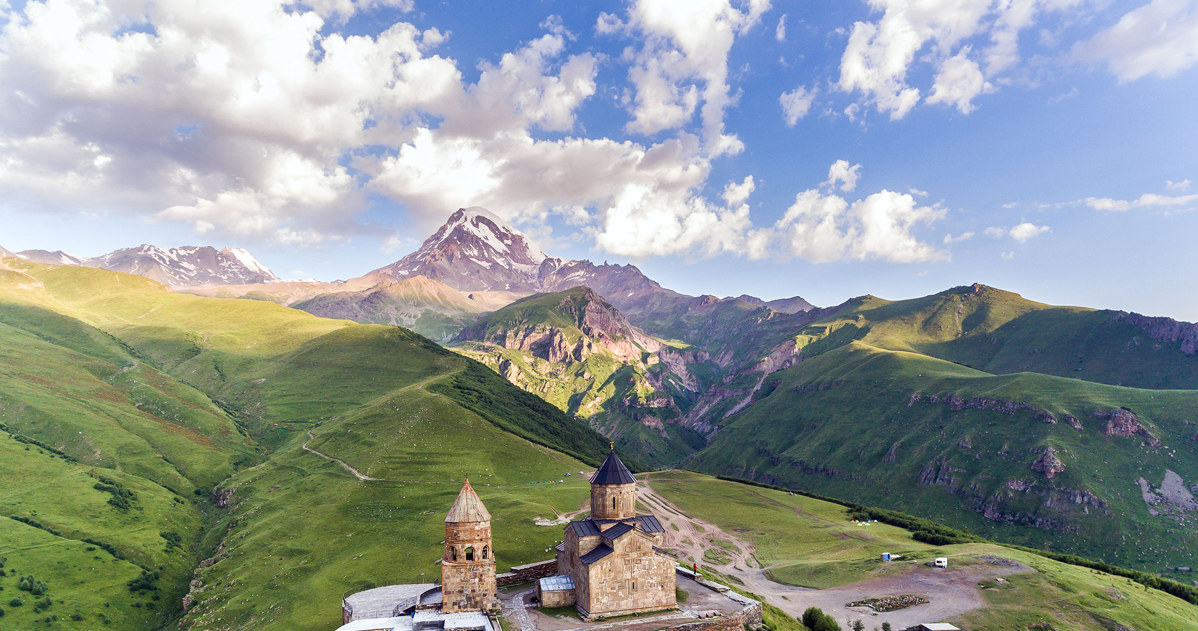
220 114
736 194
844 175
941 33
822 227
682 65
958 82
796 103
1159 38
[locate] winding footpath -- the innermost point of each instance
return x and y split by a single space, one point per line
950 592
357 474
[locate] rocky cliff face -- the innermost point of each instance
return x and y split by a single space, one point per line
578 324
1124 422
1165 330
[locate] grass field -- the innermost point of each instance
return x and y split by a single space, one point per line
804 541
813 543
123 404
857 423
109 380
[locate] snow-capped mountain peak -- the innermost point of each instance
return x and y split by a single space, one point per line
474 250
187 266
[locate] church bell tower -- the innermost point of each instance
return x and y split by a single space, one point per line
468 567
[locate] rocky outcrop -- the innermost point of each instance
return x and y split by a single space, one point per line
1171 497
1047 462
956 404
1124 422
1165 330
940 472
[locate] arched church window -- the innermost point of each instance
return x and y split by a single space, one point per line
470 553
485 550
613 503
453 554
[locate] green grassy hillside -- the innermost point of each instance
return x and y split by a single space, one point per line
578 353
1001 332
937 439
124 403
809 542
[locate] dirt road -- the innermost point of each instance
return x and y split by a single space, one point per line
950 592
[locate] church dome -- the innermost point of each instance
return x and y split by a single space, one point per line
468 508
613 471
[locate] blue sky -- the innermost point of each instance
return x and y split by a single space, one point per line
824 149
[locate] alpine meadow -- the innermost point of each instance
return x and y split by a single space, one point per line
641 315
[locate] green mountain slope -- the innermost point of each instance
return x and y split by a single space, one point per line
113 387
1027 457
808 542
423 305
1000 332
577 352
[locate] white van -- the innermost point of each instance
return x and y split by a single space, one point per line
941 562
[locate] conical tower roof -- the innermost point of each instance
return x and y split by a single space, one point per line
467 507
612 471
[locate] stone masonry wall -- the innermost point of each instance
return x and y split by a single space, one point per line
634 578
468 568
749 616
525 573
601 501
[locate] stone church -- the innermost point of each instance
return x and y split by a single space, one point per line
611 564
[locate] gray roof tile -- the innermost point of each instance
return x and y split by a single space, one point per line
596 554
612 471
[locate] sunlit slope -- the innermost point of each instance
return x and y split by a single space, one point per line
102 458
1000 332
270 363
576 351
806 541
168 394
304 530
1023 456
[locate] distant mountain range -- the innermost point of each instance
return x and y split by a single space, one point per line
1056 426
475 251
189 266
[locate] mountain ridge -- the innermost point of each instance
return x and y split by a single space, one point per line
185 266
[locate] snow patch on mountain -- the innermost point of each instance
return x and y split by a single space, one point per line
187 266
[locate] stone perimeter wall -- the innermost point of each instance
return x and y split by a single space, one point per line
749 616
527 573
